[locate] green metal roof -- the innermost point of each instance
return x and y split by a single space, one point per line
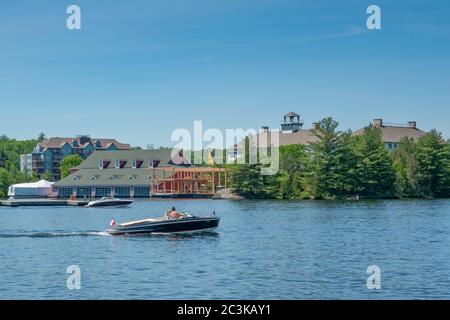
163 155
90 174
112 177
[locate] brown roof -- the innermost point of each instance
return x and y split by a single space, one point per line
394 134
285 138
56 142
391 134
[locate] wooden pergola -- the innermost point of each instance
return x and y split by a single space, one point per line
188 182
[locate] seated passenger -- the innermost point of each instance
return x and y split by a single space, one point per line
173 214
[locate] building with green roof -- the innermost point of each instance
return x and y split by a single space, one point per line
139 174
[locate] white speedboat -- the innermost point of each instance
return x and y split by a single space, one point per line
110 202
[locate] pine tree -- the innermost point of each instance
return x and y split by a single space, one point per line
334 161
294 171
406 169
433 155
374 166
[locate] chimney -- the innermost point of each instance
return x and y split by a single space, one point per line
264 129
316 125
412 124
377 123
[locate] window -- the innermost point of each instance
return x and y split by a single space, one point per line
93 178
104 164
65 192
102 192
76 178
141 192
134 164
83 192
117 164
132 177
150 163
122 192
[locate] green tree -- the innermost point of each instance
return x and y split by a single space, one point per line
41 136
47 176
12 176
248 181
374 166
334 171
433 156
10 151
406 169
68 163
294 172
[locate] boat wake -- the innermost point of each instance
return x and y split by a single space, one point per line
53 234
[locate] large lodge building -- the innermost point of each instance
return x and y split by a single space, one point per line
140 174
292 132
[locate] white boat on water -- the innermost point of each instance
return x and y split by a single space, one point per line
110 202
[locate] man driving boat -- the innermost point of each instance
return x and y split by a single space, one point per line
173 214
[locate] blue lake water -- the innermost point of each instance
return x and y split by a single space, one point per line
262 250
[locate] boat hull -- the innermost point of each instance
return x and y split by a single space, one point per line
184 225
109 203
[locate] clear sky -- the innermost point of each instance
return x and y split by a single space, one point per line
137 70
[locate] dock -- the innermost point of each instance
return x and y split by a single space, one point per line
42 202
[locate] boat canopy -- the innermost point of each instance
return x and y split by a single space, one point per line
40 189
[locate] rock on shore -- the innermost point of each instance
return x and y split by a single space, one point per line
226 194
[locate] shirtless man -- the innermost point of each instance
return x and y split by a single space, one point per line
173 214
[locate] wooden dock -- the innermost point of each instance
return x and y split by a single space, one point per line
42 202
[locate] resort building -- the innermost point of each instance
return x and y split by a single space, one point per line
48 154
392 134
292 132
140 174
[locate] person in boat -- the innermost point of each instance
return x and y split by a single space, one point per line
173 214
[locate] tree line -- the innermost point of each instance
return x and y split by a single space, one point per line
10 151
341 165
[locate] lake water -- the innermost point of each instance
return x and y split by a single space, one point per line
262 250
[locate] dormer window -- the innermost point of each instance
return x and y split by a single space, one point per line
132 177
75 143
93 178
136 164
98 144
117 164
152 163
76 178
104 164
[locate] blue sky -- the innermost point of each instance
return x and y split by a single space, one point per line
137 70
